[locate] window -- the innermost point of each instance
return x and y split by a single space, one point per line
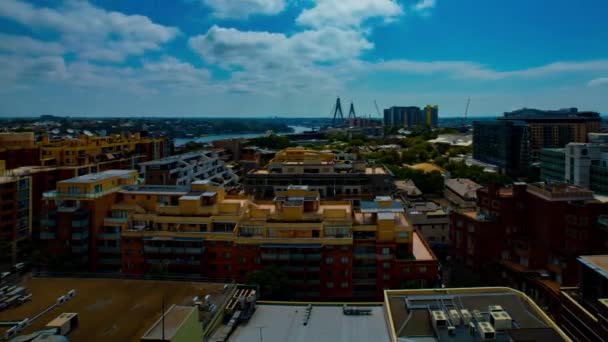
402 235
227 255
330 285
386 264
386 276
406 270
422 269
256 260
329 260
386 251
344 285
242 260
344 260
345 273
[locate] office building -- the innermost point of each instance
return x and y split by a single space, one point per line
467 314
19 149
431 115
184 169
552 165
583 312
405 117
504 144
322 172
584 165
528 236
555 128
329 249
75 227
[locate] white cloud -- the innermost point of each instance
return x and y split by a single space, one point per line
28 46
598 82
348 13
423 5
91 32
244 8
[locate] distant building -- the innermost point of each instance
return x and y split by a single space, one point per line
431 115
584 165
406 189
183 169
461 192
404 117
504 144
584 309
529 235
555 128
322 172
433 223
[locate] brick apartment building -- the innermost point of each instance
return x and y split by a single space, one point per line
528 236
329 249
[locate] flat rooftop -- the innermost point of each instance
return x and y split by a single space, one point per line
108 309
175 158
155 189
410 318
420 250
94 177
279 323
173 320
597 262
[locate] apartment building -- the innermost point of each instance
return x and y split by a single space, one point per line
120 151
186 168
322 172
529 236
15 214
78 227
461 192
329 249
433 223
19 149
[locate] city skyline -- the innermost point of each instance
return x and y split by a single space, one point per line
291 58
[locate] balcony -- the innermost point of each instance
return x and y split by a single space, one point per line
108 249
80 235
385 256
151 249
80 249
108 236
47 236
48 223
109 261
80 224
365 256
114 221
193 250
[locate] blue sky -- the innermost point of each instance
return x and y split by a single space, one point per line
293 57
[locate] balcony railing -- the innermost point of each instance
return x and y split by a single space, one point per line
47 236
109 221
109 261
80 224
108 236
48 222
108 249
365 255
80 249
80 235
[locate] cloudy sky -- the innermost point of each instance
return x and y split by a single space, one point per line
293 57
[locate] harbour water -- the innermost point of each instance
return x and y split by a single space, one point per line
214 137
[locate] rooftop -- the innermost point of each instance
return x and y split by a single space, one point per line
560 192
174 317
599 263
152 189
464 187
427 167
108 309
178 157
278 323
94 177
410 315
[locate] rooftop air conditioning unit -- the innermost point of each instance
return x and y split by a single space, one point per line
466 316
492 308
500 320
438 318
478 317
454 317
451 330
486 332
